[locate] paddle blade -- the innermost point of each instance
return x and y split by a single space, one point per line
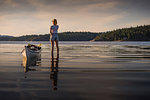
39 45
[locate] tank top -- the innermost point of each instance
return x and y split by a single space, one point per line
55 29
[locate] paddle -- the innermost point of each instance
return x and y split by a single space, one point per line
39 45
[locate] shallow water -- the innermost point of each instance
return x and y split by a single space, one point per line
85 71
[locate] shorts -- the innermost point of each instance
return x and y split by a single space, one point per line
54 37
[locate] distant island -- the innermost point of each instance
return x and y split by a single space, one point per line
64 36
139 33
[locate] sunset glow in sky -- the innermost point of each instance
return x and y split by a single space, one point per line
21 17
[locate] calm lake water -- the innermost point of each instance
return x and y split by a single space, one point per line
85 71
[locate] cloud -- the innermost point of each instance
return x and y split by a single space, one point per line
69 5
16 6
34 16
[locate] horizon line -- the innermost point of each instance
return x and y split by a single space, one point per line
79 31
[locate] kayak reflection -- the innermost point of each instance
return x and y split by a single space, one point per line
54 73
30 64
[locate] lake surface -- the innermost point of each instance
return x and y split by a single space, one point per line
85 71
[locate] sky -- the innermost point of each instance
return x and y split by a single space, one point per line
26 17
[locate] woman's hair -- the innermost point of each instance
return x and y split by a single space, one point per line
55 21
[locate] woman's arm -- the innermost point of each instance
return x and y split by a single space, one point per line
51 31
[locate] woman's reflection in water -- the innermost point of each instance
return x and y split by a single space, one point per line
54 73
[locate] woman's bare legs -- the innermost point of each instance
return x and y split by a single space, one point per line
57 47
52 49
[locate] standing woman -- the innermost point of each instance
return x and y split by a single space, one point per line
54 38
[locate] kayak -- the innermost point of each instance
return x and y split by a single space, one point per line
31 51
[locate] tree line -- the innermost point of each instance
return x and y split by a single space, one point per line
139 33
64 36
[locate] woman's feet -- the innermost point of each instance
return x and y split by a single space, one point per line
54 59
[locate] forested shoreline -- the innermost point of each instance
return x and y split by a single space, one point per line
139 33
64 36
